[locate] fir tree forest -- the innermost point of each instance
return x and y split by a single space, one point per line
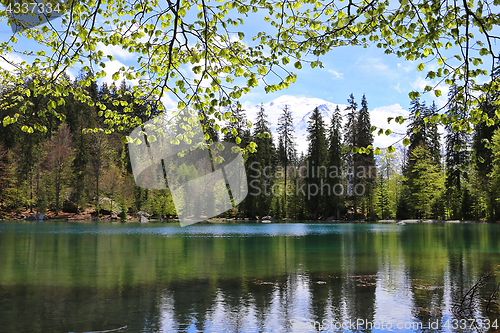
74 170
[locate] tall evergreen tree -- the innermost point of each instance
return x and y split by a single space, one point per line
423 132
286 151
383 200
350 143
432 135
456 156
424 135
316 158
258 165
482 139
350 139
236 127
364 162
415 131
335 164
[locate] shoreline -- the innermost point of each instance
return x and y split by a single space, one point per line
246 220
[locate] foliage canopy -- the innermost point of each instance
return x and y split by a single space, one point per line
197 50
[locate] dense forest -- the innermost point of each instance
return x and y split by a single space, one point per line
74 165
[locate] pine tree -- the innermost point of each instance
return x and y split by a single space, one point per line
258 165
432 135
467 204
383 200
236 131
316 158
404 209
286 150
415 131
350 143
365 161
335 164
482 138
494 175
456 157
350 139
424 135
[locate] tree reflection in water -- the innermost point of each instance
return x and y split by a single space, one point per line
71 277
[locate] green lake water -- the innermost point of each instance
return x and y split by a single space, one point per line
88 277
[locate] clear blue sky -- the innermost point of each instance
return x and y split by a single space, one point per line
385 79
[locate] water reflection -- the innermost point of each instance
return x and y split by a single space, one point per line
68 277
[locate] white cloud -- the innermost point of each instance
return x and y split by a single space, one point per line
407 67
71 75
371 64
168 102
6 59
113 67
378 118
443 99
336 74
420 83
116 51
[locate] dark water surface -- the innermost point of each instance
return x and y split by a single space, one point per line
87 277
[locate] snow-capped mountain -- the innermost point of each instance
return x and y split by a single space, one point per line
302 107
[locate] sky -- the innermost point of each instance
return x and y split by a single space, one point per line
385 79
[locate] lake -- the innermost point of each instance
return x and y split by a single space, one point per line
89 277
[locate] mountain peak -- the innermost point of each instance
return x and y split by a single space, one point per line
301 108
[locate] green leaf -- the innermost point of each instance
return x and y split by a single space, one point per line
406 141
391 149
484 51
298 65
420 67
413 95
